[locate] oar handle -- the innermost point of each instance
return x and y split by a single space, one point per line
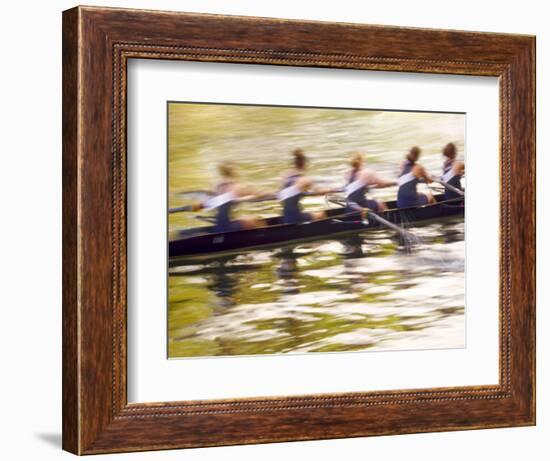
452 188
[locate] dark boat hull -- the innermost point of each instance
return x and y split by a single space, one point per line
202 242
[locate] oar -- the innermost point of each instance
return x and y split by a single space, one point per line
269 197
185 208
452 188
244 199
198 194
408 236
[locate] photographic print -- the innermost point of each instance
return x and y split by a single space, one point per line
241 201
314 230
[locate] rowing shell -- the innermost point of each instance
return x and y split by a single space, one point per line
202 242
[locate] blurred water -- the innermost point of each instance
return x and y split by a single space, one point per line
353 293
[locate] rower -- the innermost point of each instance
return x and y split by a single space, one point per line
295 185
360 180
411 174
453 170
228 193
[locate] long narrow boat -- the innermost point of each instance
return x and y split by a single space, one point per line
203 242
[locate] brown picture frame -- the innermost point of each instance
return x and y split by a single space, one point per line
97 43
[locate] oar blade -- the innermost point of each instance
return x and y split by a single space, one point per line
407 238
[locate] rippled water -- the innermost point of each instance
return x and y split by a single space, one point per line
356 292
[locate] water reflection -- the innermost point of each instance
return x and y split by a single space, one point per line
287 269
355 292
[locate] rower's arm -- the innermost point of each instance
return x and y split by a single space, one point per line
458 168
374 180
250 192
325 190
307 184
304 184
421 173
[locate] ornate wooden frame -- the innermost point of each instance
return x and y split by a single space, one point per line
97 43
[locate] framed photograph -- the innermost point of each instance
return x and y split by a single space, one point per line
282 230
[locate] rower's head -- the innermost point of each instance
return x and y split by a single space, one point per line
227 170
449 151
414 154
299 159
356 161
